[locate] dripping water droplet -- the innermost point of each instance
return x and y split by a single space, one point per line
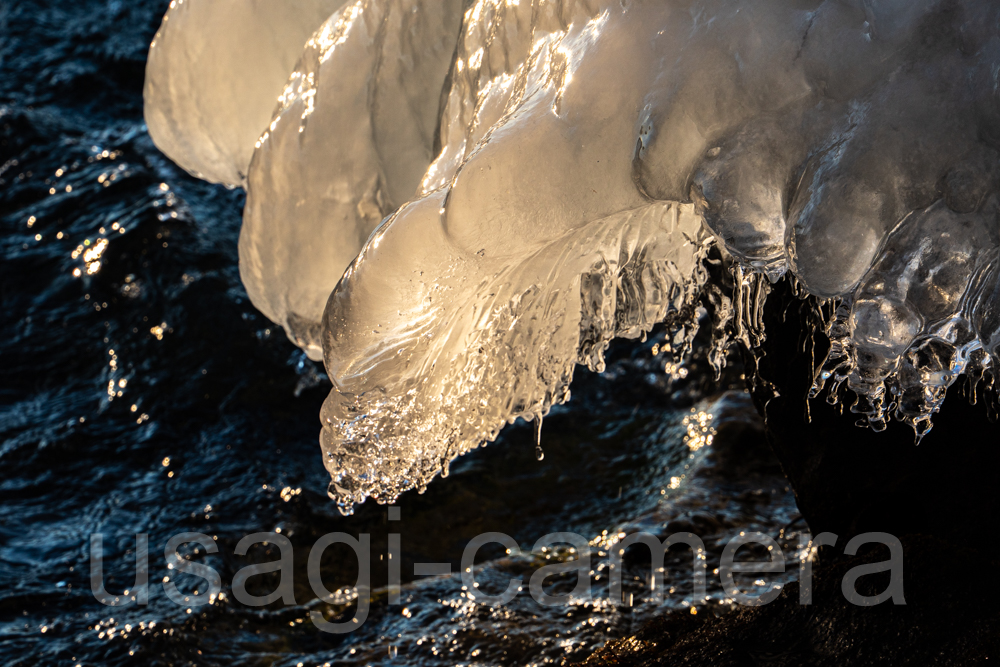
539 454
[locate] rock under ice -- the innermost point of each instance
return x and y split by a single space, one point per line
510 184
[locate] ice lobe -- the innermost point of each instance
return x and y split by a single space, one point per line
471 305
214 73
917 320
349 143
484 338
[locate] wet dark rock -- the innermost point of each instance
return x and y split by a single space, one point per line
950 618
850 480
939 496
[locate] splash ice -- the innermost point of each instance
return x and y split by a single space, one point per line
552 173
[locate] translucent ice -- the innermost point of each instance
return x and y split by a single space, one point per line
911 328
480 338
214 73
349 143
551 172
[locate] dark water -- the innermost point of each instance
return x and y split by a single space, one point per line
142 393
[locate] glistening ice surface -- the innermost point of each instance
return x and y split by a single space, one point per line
582 154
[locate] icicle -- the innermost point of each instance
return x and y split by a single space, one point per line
750 290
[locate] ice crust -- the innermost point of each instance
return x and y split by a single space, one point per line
553 172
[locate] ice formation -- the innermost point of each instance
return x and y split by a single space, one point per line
214 73
553 172
351 138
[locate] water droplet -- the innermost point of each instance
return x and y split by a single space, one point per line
539 454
